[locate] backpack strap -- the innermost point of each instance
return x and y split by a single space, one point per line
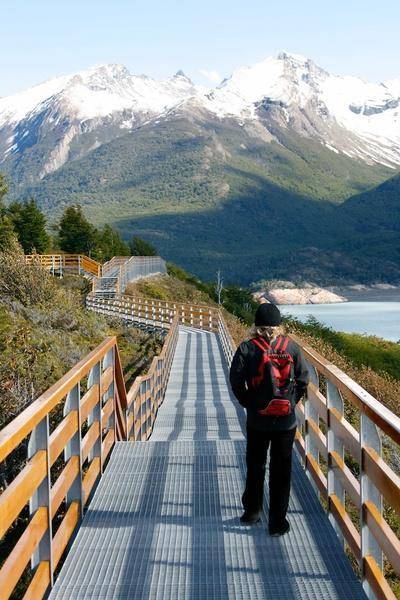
261 343
284 345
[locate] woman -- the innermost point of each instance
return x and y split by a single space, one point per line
268 376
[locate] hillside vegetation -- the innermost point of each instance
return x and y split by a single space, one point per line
45 330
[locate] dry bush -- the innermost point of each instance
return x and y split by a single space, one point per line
27 283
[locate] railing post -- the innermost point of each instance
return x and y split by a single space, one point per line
79 264
74 446
311 413
369 436
95 414
143 387
39 440
334 444
109 361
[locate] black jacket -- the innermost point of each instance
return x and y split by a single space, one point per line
245 365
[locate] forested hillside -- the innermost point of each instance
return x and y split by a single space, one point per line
222 199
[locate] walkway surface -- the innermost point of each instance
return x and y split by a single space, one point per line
164 521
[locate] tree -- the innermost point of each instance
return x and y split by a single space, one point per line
30 225
219 287
240 302
75 234
140 247
7 233
109 243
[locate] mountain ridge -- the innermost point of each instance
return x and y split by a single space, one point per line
346 114
198 172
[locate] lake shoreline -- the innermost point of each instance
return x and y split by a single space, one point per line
380 319
369 295
311 295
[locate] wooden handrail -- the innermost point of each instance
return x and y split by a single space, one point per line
153 385
108 409
326 403
377 481
375 410
77 263
99 407
156 312
25 422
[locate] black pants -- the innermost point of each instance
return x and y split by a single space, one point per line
280 467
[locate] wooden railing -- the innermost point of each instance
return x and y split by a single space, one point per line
147 392
66 459
66 263
326 442
333 451
156 312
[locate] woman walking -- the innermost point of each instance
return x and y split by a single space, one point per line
268 376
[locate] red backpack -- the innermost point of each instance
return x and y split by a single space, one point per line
276 370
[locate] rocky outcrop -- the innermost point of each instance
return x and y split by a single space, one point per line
314 295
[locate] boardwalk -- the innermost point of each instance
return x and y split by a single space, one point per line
164 521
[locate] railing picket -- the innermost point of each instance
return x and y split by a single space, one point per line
95 414
74 446
39 440
334 444
109 361
311 412
369 436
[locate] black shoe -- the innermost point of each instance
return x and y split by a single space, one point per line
250 517
280 530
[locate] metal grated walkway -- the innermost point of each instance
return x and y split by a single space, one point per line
164 521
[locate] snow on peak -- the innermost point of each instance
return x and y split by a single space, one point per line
98 92
288 78
182 75
298 59
291 82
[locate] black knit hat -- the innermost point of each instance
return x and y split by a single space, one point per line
268 315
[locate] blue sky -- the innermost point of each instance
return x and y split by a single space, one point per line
42 39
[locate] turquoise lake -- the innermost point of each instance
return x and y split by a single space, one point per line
373 318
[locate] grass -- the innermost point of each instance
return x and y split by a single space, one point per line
165 287
362 350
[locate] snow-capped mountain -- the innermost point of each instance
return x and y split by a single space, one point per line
66 118
349 115
105 98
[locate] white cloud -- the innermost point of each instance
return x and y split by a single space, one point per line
211 75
